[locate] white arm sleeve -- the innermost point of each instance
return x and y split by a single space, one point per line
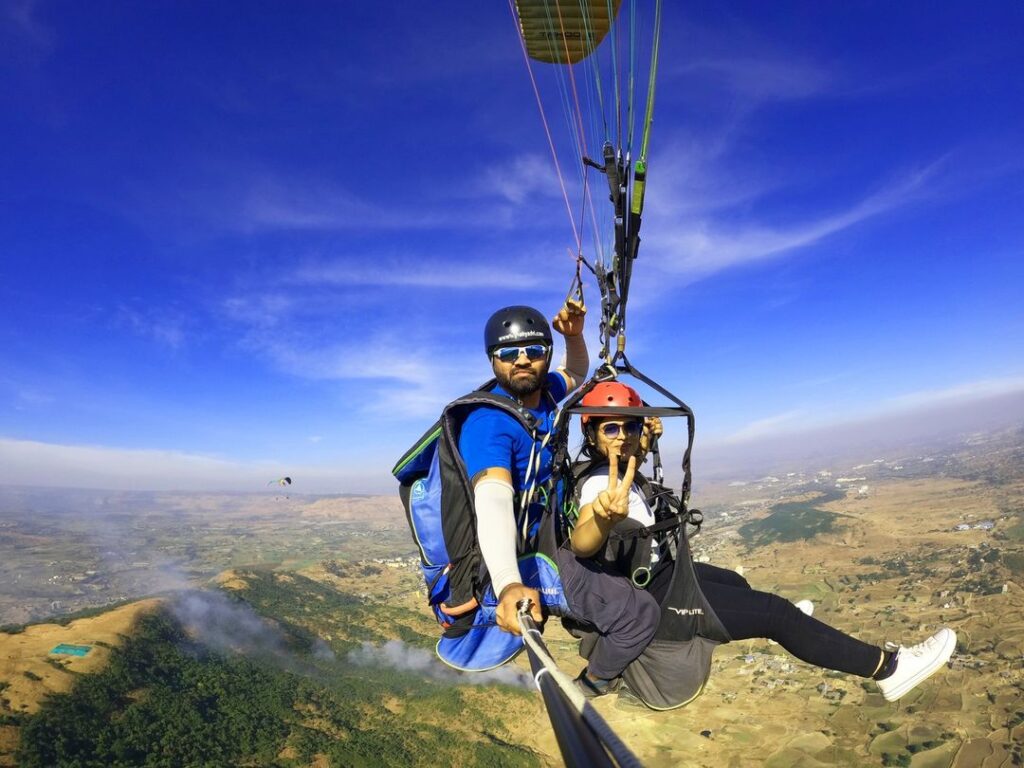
496 531
577 360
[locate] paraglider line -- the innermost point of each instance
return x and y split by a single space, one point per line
632 76
582 142
613 31
649 115
544 120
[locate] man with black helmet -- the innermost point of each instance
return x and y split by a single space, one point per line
502 459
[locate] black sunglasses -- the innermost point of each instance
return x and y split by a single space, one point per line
611 429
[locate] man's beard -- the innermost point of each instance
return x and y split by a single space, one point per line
520 386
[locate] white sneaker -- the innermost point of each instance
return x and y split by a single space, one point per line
805 606
917 663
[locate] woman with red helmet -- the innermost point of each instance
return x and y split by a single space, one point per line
607 500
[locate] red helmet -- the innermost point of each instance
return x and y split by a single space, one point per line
610 393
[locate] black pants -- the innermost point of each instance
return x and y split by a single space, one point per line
747 613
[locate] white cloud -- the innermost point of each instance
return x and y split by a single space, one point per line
965 392
275 202
28 462
409 272
25 393
699 247
760 79
407 383
816 382
521 178
22 16
769 425
694 179
33 398
259 310
308 205
166 327
801 419
35 463
237 200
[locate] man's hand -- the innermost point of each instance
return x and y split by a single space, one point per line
652 429
612 505
508 612
569 320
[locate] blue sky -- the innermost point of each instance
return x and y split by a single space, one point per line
240 241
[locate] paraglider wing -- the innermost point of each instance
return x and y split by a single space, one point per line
564 31
282 481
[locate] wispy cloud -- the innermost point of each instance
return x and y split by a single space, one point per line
520 178
770 425
29 462
802 419
697 248
259 310
965 392
25 27
165 326
696 179
817 382
369 270
32 398
408 371
491 198
308 204
759 79
24 394
235 200
410 381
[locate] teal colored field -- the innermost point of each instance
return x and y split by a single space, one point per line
71 650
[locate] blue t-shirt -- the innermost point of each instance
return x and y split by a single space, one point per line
493 438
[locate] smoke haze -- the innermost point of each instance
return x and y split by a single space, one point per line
398 655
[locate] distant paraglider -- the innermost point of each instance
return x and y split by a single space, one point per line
283 482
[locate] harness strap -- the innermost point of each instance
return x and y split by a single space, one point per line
533 468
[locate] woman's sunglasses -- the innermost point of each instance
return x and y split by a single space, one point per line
533 353
611 429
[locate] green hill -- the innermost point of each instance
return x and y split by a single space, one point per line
168 699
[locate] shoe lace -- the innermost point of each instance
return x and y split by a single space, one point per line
921 648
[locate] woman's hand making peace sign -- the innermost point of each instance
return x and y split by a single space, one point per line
612 505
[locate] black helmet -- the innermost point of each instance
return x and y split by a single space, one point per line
516 325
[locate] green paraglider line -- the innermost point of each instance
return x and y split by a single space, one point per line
649 112
635 203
